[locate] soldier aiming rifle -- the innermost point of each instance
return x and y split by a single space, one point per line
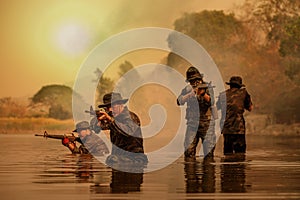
90 142
72 137
198 96
68 141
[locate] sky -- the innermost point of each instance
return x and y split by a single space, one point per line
45 42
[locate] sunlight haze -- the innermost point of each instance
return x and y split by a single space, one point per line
45 42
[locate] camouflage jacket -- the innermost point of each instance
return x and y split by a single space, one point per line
94 145
197 108
233 103
125 133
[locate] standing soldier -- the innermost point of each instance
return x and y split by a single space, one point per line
198 117
236 100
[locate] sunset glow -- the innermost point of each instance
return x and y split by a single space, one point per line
72 38
46 42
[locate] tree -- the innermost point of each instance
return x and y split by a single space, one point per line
125 67
270 16
279 21
11 108
212 29
290 42
105 85
232 47
58 98
127 73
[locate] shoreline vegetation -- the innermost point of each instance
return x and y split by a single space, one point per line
255 124
12 125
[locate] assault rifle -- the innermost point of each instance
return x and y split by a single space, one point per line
209 87
96 113
71 137
204 85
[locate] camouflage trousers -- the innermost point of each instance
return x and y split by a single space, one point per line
120 156
234 143
208 139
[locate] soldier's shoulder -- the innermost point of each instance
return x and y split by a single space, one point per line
135 118
244 91
223 93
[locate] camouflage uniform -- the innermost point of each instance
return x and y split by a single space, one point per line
198 120
79 150
94 145
125 133
198 123
91 143
236 99
126 137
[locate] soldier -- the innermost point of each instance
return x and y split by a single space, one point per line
236 100
198 116
90 142
125 132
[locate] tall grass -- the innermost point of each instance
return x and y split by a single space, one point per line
35 125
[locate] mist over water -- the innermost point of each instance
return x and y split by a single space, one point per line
36 168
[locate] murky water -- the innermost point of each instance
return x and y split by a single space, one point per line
34 168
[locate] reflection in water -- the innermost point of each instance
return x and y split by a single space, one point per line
72 168
84 168
35 169
124 182
200 177
233 175
121 182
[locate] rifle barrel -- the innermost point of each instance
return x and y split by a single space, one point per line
56 136
39 135
59 137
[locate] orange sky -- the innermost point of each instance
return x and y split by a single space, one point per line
45 42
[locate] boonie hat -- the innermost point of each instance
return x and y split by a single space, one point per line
236 80
82 126
193 73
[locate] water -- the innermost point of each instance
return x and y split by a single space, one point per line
35 168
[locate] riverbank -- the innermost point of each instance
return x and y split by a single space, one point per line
35 125
263 125
255 124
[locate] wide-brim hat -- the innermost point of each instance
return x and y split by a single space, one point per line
236 80
111 99
82 126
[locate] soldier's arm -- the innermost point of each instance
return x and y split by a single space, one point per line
186 93
221 102
248 102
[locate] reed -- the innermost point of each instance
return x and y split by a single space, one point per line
35 125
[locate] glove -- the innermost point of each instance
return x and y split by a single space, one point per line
65 141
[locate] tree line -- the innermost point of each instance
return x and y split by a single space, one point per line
259 40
